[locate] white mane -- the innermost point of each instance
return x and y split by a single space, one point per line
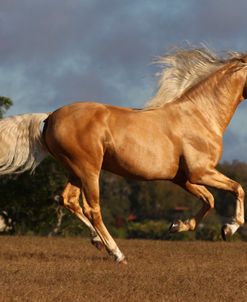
184 68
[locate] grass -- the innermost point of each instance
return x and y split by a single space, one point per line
70 269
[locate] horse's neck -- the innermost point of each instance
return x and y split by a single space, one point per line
218 98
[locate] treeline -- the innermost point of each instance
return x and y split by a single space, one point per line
130 208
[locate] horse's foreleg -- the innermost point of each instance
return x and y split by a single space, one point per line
208 203
95 239
215 179
91 209
70 199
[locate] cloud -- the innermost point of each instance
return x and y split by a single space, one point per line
54 51
234 147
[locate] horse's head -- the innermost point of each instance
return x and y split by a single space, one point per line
241 59
244 60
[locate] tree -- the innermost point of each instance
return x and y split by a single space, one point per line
5 104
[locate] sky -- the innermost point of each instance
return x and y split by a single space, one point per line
55 52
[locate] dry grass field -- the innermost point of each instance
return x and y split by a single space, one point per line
70 269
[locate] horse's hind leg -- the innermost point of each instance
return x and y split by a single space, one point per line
215 179
208 203
92 211
70 199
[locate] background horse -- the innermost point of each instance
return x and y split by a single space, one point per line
177 137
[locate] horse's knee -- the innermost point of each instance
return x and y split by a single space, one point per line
63 201
240 211
70 203
93 214
240 192
202 193
210 200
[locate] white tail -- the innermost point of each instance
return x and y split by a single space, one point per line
21 146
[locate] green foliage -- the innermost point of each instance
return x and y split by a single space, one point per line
30 197
208 232
114 199
149 229
150 206
5 104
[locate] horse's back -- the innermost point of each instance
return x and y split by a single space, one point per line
121 140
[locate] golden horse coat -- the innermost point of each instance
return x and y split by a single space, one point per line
176 137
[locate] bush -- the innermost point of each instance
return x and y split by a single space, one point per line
209 232
148 229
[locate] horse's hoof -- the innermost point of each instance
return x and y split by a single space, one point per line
123 261
174 227
98 244
226 232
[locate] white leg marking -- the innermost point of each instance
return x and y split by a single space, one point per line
118 255
233 227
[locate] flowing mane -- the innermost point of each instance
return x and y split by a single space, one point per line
184 68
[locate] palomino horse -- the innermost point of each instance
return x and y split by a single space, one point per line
177 137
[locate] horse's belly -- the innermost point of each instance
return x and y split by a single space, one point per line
148 164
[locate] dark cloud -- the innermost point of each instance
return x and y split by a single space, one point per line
56 51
